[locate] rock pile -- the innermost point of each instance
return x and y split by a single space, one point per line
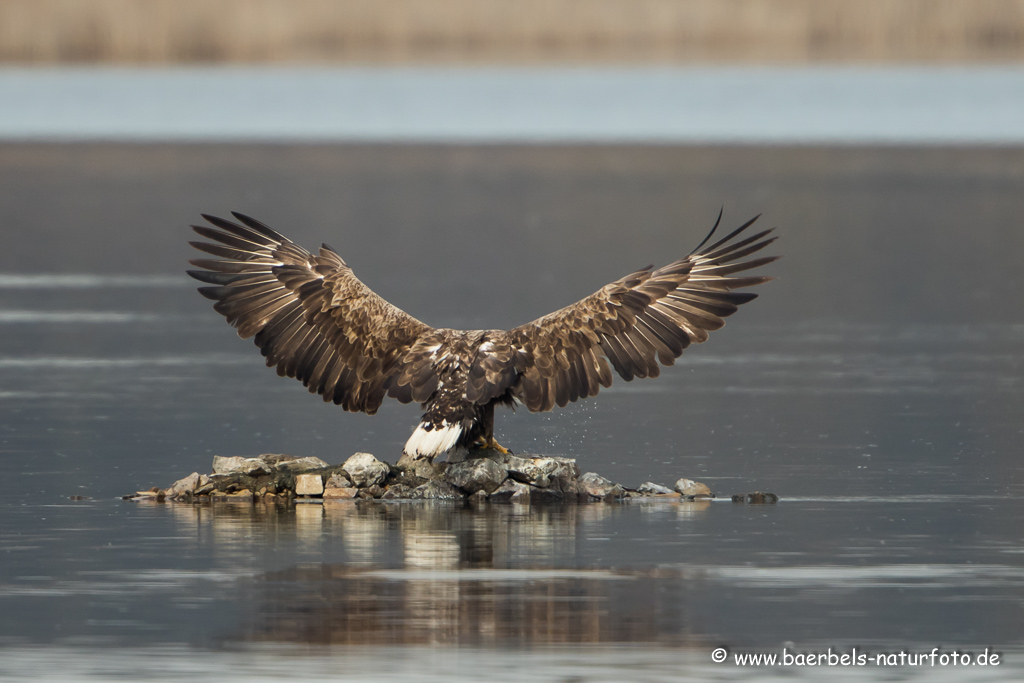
486 475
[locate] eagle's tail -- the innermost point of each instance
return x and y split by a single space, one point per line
430 440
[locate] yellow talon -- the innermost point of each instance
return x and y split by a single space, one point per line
491 443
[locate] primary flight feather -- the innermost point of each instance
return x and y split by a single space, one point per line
315 321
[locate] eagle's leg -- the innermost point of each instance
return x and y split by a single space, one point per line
486 438
491 443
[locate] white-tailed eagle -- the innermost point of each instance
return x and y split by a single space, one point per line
315 321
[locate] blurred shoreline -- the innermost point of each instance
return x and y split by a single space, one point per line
501 32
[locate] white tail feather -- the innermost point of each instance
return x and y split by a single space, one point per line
430 443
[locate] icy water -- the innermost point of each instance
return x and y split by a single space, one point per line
877 387
825 104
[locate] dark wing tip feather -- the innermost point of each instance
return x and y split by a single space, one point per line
211 277
732 234
212 293
637 322
259 227
718 222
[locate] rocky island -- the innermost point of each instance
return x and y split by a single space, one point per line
484 475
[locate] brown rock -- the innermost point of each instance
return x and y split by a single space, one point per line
184 487
690 488
374 491
341 493
758 498
238 496
309 485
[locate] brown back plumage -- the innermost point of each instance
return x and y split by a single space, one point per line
315 321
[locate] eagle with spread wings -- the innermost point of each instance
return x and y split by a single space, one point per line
315 321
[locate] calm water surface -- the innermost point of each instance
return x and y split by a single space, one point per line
877 387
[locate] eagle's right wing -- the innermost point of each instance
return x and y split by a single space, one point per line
312 318
645 318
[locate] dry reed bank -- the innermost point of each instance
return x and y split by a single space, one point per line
499 31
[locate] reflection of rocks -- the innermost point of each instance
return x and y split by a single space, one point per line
434 604
484 476
431 550
437 573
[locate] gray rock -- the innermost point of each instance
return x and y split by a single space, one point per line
476 474
338 481
273 459
184 487
365 470
439 490
309 485
374 491
290 463
240 465
513 491
649 488
420 468
397 492
206 485
595 485
690 488
542 472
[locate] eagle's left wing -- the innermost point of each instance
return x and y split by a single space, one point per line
634 323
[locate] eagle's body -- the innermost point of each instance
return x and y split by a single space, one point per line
315 321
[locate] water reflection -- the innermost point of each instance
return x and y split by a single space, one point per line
445 574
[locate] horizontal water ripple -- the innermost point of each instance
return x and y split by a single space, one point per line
23 316
88 281
151 361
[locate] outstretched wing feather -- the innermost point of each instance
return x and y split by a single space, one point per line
310 316
635 324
